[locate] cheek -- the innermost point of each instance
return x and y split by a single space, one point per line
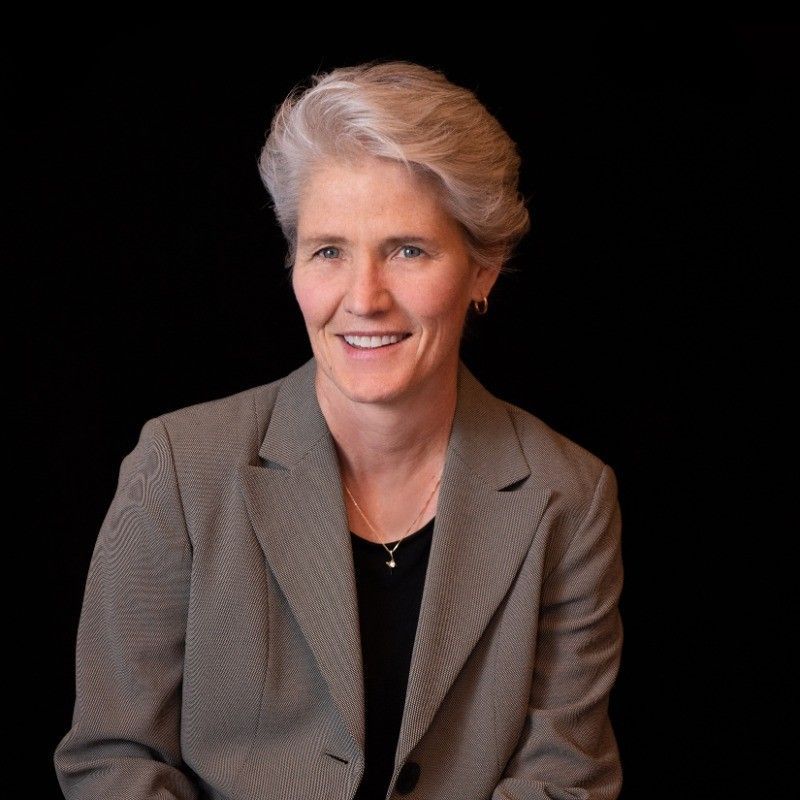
310 299
443 307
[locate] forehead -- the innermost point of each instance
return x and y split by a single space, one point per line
380 187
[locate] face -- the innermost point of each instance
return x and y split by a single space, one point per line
383 278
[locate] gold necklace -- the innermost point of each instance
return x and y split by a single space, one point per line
391 562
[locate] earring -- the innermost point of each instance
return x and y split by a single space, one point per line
481 306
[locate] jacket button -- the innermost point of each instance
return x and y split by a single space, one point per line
407 777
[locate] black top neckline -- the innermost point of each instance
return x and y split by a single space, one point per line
426 528
389 605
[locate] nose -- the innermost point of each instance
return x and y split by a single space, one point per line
367 293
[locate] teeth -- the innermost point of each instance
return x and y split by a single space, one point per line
371 341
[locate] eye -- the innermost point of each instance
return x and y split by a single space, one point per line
407 247
324 251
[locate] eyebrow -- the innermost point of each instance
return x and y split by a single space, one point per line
314 241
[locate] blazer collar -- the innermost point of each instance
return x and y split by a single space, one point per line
481 422
488 511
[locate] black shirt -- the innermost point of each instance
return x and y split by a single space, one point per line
389 602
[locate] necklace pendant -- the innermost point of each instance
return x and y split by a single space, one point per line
392 563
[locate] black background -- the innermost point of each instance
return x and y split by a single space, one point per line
648 319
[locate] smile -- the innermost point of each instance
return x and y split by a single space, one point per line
373 342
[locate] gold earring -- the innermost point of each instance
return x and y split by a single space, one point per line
481 306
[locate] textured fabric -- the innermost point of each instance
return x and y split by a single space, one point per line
388 606
218 652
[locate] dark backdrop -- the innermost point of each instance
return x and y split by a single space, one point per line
647 319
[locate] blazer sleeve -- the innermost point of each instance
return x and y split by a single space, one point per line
124 741
567 750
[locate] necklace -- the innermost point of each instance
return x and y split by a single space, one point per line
390 550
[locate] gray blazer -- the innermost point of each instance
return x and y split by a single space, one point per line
218 649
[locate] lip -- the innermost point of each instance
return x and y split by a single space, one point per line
404 334
370 353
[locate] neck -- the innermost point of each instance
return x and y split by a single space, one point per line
380 442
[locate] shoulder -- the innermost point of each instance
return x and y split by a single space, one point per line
577 477
218 430
582 486
507 443
549 450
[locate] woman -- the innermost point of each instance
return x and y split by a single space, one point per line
370 578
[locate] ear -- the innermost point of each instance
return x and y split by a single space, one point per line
484 281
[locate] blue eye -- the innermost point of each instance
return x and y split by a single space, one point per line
411 247
326 250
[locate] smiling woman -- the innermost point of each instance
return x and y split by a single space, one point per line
243 634
384 316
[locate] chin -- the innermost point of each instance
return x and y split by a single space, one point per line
375 388
370 391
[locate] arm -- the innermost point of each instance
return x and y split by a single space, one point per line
124 742
567 750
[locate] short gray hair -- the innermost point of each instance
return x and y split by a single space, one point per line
407 113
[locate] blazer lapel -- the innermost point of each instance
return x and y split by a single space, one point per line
297 511
481 534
